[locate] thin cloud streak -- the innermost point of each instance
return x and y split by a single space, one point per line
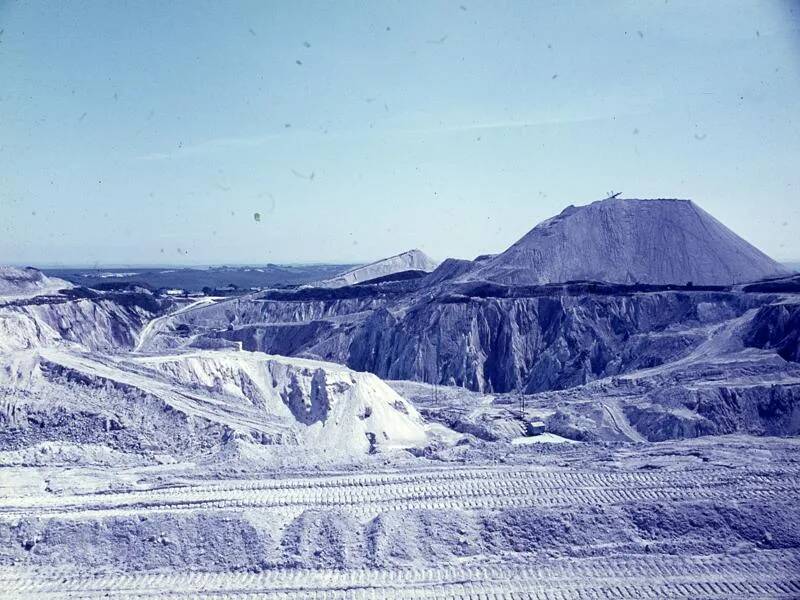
505 125
214 145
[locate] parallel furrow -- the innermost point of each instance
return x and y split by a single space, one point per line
475 490
771 574
549 479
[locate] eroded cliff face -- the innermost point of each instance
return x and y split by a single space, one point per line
286 323
536 344
490 339
94 321
692 411
777 326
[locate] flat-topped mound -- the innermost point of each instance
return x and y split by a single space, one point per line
630 241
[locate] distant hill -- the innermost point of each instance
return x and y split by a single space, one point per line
27 281
195 279
411 260
630 241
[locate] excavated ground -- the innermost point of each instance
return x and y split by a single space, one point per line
134 467
712 518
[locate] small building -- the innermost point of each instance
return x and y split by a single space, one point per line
534 428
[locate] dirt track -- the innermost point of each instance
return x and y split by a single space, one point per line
458 488
774 574
764 573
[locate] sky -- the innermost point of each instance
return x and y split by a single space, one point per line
144 133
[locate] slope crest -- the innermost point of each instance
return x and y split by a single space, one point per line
411 260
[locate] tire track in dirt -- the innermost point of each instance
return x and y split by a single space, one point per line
467 489
762 574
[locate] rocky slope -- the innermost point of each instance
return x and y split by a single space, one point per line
185 404
88 319
324 405
630 241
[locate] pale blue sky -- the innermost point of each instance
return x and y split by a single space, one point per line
130 130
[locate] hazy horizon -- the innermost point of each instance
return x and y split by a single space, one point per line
143 136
